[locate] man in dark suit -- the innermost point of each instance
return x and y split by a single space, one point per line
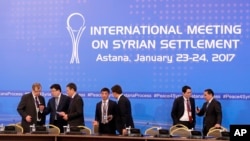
124 117
183 110
58 103
31 108
211 110
74 115
105 114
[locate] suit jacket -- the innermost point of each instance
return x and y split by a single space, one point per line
63 106
110 127
212 114
179 107
124 114
27 107
75 111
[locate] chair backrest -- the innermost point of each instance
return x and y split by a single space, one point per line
53 129
181 132
152 131
85 129
172 128
214 133
221 128
18 128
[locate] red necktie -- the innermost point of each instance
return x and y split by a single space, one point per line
189 111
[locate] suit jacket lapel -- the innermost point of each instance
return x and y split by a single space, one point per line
100 110
71 102
109 107
60 102
182 104
33 101
53 103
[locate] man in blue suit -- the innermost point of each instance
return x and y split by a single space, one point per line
105 113
58 103
124 118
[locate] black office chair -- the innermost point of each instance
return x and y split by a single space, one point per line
225 135
134 132
40 130
164 133
10 130
196 135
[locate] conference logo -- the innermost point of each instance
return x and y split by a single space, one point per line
75 33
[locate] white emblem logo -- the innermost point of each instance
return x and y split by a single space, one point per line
75 35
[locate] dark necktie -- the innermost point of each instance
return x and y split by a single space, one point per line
37 102
189 111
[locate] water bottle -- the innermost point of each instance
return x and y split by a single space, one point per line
129 130
33 127
68 128
1 127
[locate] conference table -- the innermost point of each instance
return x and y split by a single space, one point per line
63 137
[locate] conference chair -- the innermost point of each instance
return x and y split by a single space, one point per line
18 128
216 132
53 129
221 128
85 129
181 132
172 128
152 131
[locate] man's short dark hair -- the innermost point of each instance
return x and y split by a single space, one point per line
184 88
105 90
117 89
56 86
72 86
209 91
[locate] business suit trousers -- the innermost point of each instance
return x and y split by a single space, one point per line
188 124
105 129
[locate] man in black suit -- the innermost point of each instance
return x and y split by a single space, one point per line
183 110
211 110
105 114
31 108
124 117
58 103
74 115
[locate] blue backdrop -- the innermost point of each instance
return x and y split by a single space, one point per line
96 44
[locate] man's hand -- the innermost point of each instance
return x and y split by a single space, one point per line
28 118
110 117
65 117
41 108
217 126
61 114
197 110
95 123
124 132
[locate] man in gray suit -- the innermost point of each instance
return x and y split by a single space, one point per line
74 115
31 108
